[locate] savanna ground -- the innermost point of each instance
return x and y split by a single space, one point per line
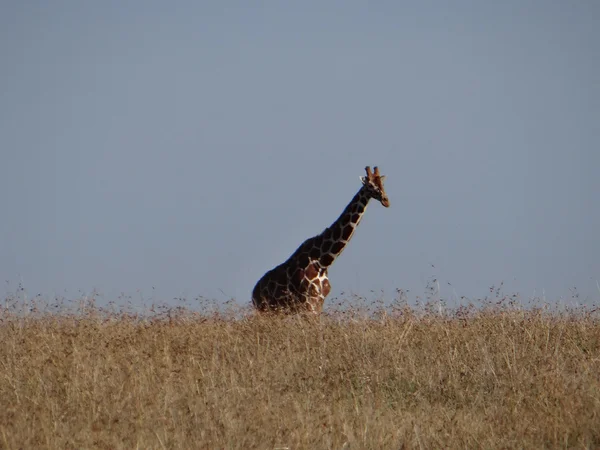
494 376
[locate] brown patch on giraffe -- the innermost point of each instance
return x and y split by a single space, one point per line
311 272
326 260
303 260
298 275
326 246
314 253
325 288
337 232
318 240
346 219
337 247
292 265
355 218
347 232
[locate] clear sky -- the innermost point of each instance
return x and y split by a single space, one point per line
178 149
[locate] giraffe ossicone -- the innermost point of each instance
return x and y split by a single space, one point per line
300 284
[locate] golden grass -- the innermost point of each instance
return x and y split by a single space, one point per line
490 378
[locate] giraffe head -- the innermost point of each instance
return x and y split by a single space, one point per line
373 183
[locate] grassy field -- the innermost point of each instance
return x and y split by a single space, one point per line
494 377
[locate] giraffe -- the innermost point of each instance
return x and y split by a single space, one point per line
300 284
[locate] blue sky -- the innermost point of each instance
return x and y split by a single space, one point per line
178 149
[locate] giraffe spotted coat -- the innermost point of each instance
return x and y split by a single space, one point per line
300 284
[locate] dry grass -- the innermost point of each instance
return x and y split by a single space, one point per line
490 378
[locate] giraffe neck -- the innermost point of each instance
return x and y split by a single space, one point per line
334 239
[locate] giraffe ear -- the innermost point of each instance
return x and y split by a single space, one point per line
382 178
363 180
